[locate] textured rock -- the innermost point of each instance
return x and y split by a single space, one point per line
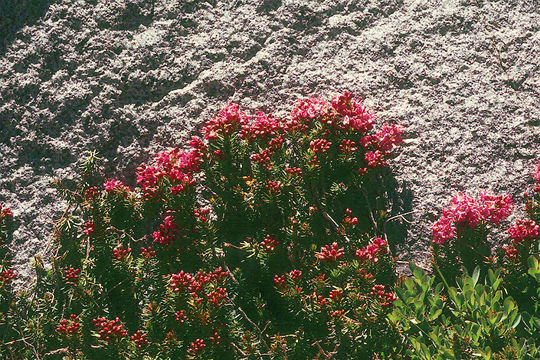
130 77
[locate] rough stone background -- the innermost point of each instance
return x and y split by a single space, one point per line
131 77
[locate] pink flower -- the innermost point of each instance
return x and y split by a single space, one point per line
523 231
229 119
89 228
115 185
498 207
269 244
330 253
443 230
373 250
375 159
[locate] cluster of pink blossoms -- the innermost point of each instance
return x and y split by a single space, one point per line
330 253
109 329
168 231
524 231
196 283
385 298
89 228
140 339
69 327
229 119
269 244
114 185
280 281
120 253
537 178
178 166
196 347
72 275
372 251
6 276
5 212
469 212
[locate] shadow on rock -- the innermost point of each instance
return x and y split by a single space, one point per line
15 14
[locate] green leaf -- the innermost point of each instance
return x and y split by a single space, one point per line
517 321
476 275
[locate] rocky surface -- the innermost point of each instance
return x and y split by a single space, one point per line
130 77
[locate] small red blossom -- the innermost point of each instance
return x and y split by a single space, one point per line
279 281
295 275
510 251
167 231
89 228
202 214
229 119
294 171
372 251
320 146
180 316
147 253
6 276
330 253
215 338
375 159
113 185
335 294
385 298
273 187
338 314
140 339
109 329
69 327
269 244
91 193
5 212
120 254
72 275
196 347
347 146
216 296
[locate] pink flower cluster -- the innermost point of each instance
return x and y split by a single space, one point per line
469 212
5 212
196 347
216 296
114 185
537 178
69 327
72 275
330 253
385 298
89 228
280 281
263 127
6 276
524 231
178 166
269 244
196 283
140 339
372 251
229 119
109 329
168 231
120 253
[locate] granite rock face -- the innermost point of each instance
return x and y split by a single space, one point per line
131 77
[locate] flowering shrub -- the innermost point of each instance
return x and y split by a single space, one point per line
262 238
244 244
460 234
